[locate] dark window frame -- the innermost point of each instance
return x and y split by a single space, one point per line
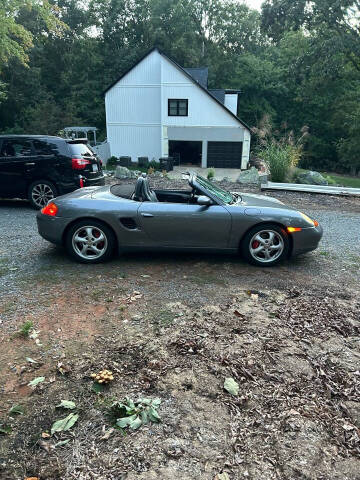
178 100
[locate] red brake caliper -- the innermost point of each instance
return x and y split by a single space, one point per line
255 244
97 235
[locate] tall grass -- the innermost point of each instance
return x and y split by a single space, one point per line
278 161
280 150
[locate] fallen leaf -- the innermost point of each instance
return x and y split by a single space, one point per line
65 423
66 404
62 368
34 334
45 435
222 476
107 434
32 478
30 360
238 314
62 442
36 381
16 410
231 386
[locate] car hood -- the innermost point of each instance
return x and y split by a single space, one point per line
253 200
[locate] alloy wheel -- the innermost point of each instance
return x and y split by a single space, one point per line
89 242
41 194
266 246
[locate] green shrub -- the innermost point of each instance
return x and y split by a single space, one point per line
112 162
278 159
211 174
26 328
154 164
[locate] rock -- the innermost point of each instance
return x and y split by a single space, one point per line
157 174
311 178
123 172
249 176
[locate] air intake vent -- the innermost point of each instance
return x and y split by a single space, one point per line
128 223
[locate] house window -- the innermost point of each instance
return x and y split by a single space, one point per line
177 108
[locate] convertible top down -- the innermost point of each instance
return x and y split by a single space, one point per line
93 222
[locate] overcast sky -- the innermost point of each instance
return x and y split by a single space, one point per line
254 3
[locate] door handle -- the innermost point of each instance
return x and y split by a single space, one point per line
30 164
148 215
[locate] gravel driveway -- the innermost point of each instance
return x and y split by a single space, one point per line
25 256
174 326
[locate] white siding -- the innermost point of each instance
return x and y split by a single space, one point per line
133 111
137 111
231 102
203 111
135 141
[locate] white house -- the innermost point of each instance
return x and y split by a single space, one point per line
159 109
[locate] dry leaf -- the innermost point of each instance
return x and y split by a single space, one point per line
107 434
45 435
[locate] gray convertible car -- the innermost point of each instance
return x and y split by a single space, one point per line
92 223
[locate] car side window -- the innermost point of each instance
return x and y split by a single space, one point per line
16 148
43 147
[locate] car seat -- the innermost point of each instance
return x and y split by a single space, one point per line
143 191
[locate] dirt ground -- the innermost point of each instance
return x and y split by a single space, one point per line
175 328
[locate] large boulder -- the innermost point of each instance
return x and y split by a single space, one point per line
249 177
311 178
123 172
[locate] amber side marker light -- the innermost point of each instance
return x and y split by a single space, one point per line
51 209
293 229
316 224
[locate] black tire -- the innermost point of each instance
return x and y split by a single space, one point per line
74 248
280 235
40 192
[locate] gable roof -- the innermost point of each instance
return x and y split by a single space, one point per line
184 71
200 74
219 94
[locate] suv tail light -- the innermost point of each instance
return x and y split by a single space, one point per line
79 163
51 209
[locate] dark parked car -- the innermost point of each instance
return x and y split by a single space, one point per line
40 167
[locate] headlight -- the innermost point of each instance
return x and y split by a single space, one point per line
307 219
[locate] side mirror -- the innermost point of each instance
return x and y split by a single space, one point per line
204 200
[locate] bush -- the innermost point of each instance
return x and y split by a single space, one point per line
154 165
112 162
279 160
280 150
211 174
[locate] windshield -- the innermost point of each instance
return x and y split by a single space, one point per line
223 195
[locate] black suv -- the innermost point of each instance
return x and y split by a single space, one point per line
40 167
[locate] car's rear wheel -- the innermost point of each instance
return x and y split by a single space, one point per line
265 245
90 241
40 193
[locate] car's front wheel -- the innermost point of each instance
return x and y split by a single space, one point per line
265 245
90 241
40 193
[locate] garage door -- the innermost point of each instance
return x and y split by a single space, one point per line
224 154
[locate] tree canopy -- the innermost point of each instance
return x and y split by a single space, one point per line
297 61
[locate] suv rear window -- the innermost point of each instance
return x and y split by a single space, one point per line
80 149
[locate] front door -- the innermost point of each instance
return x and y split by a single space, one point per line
16 162
183 225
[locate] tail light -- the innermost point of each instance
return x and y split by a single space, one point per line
51 209
79 163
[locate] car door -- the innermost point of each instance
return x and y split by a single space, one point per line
16 161
184 225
